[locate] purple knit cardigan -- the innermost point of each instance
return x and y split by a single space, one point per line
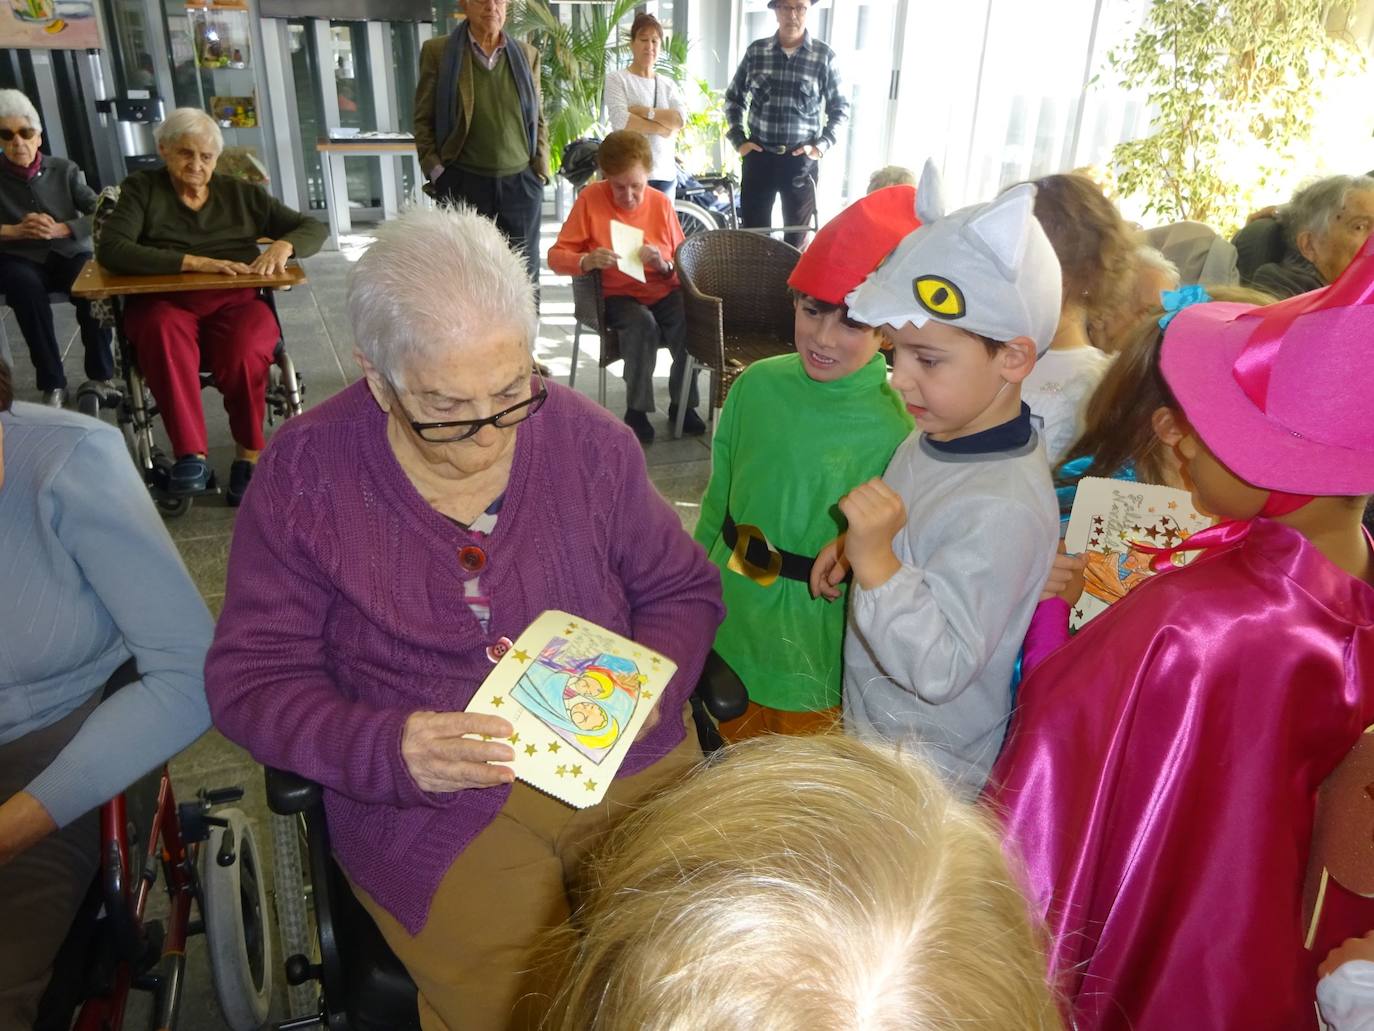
344 613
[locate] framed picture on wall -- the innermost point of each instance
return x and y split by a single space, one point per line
49 24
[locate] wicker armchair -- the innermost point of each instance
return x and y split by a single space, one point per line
734 284
589 310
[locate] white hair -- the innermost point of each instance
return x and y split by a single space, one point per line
189 121
15 104
1315 204
431 277
1153 257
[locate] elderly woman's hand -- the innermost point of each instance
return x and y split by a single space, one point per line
272 261
217 266
440 758
602 257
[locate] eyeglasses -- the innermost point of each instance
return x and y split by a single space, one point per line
461 429
26 133
797 9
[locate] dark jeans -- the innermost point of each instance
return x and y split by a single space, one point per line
665 186
26 285
764 177
41 889
643 330
513 202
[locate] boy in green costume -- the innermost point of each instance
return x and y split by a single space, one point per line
796 432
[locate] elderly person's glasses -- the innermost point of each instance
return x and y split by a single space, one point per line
461 429
26 133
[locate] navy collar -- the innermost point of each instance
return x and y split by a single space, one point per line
1012 435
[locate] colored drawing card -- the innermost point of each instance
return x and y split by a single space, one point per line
577 695
1109 516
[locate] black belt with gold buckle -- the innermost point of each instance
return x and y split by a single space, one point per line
753 556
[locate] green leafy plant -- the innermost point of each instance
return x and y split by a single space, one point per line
574 59
1232 86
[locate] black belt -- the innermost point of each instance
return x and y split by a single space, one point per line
755 558
781 148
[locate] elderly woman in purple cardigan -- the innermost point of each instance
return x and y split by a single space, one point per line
392 539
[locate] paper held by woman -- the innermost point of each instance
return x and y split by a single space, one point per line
577 695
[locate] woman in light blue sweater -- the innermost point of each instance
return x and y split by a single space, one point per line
89 580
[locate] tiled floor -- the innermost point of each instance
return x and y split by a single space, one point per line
318 336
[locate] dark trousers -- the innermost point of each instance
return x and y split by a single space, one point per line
513 202
643 329
42 888
26 285
766 176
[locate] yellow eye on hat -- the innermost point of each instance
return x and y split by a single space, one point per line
940 297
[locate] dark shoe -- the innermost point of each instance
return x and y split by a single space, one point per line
639 422
190 475
239 475
55 398
692 426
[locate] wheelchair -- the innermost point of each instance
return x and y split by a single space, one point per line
134 407
210 864
329 940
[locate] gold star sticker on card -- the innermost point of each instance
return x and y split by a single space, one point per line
561 771
553 746
640 678
530 749
521 656
591 785
497 701
486 737
577 771
514 738
653 660
646 694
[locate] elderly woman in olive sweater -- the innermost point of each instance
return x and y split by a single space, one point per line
184 218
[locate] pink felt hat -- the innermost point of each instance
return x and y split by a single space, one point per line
1283 393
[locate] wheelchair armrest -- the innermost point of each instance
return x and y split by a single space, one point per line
721 690
289 793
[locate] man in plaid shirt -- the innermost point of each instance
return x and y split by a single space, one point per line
787 81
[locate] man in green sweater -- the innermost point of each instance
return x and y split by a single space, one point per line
183 218
479 125
796 432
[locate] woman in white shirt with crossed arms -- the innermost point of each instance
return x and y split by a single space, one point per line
637 98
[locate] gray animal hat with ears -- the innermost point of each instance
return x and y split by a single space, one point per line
988 269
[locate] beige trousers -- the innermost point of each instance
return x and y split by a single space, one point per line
476 961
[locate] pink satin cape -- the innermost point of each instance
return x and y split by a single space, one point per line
1158 785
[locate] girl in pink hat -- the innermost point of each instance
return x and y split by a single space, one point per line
1160 777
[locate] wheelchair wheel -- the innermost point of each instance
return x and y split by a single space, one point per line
88 403
173 508
294 926
236 932
694 218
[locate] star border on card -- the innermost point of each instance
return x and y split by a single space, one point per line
590 785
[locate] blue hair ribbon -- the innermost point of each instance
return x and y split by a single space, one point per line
1175 301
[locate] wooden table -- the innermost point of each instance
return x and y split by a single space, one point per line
332 154
96 284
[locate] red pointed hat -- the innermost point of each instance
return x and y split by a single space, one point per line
854 243
1283 393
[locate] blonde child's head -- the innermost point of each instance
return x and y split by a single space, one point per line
806 883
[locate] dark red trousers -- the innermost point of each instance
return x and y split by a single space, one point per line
230 333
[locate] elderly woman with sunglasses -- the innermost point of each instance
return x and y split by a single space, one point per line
45 238
397 539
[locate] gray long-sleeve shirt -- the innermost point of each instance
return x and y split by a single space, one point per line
59 190
928 656
89 577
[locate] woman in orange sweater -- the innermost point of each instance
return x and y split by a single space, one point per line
646 314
